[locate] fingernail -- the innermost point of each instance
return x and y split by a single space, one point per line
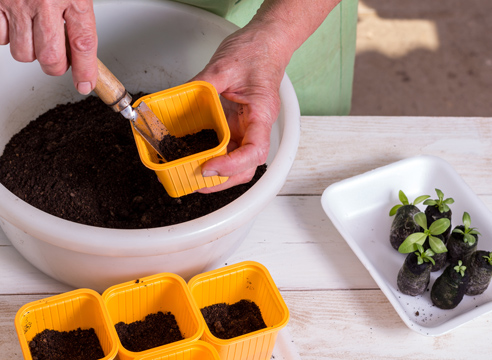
207 173
84 87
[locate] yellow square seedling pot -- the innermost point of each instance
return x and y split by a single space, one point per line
197 350
82 308
247 280
134 300
185 109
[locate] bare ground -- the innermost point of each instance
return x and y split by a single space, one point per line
423 58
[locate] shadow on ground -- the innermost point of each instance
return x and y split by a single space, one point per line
455 79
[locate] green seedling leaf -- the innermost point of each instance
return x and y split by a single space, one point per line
439 226
403 198
440 194
420 199
411 242
404 201
424 256
418 238
394 209
489 258
466 220
437 245
460 268
440 203
469 239
421 220
459 231
468 233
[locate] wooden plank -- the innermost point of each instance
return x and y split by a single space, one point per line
9 343
18 276
299 245
348 146
292 230
363 325
340 324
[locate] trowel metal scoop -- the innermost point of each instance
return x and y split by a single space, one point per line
113 93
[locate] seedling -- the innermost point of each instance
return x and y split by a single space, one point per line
404 201
440 203
460 268
424 256
488 258
418 238
468 232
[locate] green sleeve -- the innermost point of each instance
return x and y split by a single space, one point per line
322 69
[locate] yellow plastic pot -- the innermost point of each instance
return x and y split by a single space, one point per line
198 350
82 308
134 300
184 110
247 280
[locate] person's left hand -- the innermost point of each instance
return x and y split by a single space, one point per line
246 70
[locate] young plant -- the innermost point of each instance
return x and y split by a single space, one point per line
440 202
424 255
468 231
403 223
404 201
418 238
460 268
488 258
449 288
480 272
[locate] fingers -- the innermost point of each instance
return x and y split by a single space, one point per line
81 31
36 30
244 159
49 42
241 178
4 29
20 37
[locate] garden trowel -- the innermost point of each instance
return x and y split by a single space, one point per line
113 93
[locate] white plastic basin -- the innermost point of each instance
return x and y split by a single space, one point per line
149 46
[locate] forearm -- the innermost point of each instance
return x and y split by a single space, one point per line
291 22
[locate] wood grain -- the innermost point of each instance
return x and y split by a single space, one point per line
335 148
362 324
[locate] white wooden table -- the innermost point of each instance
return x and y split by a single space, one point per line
337 310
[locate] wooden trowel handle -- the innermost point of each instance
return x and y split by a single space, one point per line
110 89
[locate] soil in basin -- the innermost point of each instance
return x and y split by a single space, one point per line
79 162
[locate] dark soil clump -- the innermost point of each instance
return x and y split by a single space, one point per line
79 162
173 147
61 345
155 330
229 321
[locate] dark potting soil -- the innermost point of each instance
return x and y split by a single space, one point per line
79 162
173 147
61 345
228 321
155 330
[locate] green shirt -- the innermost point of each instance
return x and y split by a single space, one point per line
321 70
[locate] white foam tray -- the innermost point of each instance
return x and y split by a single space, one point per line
359 208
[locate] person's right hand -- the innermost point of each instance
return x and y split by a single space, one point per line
35 30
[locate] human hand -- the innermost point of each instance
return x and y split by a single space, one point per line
246 70
35 30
